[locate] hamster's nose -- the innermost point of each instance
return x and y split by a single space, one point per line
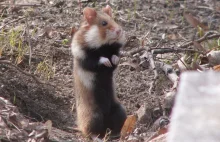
118 32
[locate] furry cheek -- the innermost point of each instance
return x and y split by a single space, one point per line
111 35
92 37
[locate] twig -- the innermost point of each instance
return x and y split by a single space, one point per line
152 84
170 50
181 60
159 51
20 70
131 53
137 50
182 37
15 126
12 22
150 56
205 7
34 5
207 36
152 64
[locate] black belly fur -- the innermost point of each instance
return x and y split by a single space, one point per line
103 84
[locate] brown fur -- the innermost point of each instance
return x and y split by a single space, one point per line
85 100
84 105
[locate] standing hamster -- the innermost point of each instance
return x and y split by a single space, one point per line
95 47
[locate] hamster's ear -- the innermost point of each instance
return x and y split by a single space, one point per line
107 10
89 14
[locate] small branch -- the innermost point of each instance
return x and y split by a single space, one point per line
152 84
34 5
15 126
181 60
205 7
131 53
160 51
170 50
152 64
207 36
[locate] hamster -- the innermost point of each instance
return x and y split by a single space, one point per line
95 48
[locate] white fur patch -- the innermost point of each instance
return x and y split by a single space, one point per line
105 61
76 50
92 37
86 77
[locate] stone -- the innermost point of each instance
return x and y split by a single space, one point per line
195 116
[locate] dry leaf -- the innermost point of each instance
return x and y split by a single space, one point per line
142 41
173 36
199 47
128 126
191 20
159 132
160 138
216 68
48 124
19 60
194 22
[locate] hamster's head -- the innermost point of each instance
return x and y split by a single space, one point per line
100 28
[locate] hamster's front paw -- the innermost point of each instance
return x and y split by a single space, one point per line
115 59
105 61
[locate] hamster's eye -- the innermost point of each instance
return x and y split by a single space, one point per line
104 23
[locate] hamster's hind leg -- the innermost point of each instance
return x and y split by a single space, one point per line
116 120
